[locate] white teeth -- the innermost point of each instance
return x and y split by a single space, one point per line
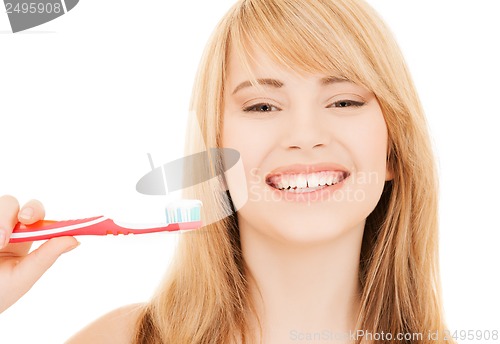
285 180
322 178
313 180
303 181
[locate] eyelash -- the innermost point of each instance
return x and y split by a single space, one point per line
252 108
353 103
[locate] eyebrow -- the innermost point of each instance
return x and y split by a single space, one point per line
277 84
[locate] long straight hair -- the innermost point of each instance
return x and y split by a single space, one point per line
205 297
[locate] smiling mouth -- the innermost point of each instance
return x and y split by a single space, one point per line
305 182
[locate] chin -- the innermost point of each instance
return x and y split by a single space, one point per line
305 229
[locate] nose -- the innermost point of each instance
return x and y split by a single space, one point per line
305 130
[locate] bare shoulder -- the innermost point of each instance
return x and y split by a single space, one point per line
117 326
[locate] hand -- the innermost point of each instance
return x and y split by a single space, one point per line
18 269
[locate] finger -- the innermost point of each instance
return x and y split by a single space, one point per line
20 249
34 265
31 212
9 207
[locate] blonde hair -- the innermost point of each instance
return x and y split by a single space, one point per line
205 296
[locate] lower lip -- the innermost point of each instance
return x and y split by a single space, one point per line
319 195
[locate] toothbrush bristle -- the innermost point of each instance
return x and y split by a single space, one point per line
183 211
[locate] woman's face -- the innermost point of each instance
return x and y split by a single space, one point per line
313 148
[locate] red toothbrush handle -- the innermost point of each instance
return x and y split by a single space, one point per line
98 225
46 229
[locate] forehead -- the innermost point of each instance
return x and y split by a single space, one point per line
255 63
257 66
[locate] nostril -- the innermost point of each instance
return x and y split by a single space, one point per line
318 145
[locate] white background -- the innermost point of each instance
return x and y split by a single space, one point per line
83 99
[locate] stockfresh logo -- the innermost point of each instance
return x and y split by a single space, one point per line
24 15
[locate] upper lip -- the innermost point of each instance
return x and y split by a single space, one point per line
307 168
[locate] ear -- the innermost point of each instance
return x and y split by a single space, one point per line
389 174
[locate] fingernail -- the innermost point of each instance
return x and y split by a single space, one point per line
71 247
26 213
2 239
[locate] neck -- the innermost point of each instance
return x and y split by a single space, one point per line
303 289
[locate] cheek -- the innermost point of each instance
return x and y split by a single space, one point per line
368 147
253 140
367 141
373 146
253 145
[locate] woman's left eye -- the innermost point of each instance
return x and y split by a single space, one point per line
345 103
261 107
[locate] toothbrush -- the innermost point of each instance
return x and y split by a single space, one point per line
181 216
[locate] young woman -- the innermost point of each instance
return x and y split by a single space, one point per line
335 234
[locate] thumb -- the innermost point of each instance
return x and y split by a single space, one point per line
34 265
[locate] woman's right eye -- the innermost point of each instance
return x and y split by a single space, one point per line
261 107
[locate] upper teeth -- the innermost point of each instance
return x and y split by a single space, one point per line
303 180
